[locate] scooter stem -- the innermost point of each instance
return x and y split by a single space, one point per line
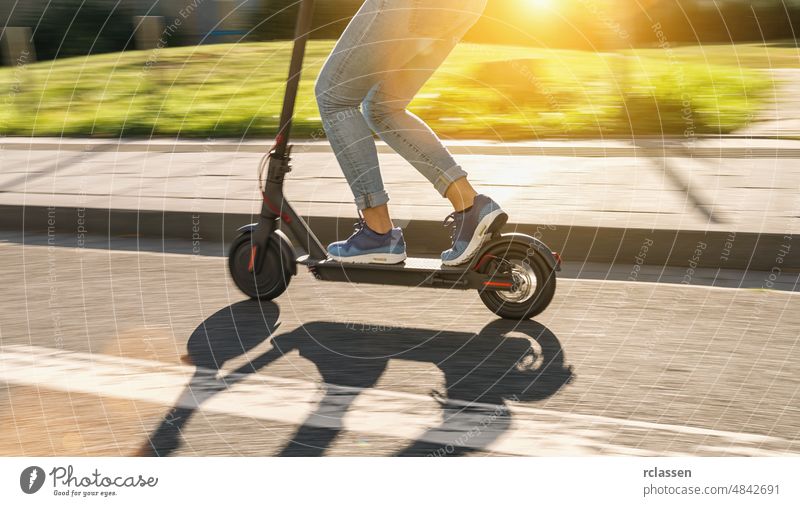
301 34
275 206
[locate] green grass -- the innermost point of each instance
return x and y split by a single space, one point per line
774 54
482 91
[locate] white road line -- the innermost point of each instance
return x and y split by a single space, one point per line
515 430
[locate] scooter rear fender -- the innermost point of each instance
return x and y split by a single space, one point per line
553 259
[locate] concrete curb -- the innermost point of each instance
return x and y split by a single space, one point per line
588 149
577 244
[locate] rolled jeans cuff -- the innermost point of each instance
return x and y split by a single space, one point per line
448 177
372 200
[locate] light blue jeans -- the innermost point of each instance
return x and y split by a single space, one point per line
385 55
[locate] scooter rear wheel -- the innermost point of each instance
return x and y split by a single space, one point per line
534 278
275 275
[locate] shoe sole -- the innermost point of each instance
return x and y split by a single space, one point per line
490 223
371 258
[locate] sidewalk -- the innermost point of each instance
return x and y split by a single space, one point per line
653 202
781 116
740 145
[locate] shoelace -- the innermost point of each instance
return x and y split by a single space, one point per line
359 225
452 221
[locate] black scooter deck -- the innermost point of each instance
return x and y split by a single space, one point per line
413 272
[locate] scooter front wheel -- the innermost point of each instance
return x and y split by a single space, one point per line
534 280
275 274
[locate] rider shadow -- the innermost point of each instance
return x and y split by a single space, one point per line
517 361
227 334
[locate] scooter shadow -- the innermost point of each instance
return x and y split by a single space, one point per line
517 361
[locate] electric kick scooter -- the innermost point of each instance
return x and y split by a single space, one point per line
515 274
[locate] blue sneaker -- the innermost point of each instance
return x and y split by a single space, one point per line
471 228
366 246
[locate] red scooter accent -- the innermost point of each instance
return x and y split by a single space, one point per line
482 261
285 217
252 258
498 284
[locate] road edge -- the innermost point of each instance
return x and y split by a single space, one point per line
576 244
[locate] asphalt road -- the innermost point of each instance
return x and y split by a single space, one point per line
114 352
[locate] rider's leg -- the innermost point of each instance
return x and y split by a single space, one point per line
385 107
378 218
366 49
389 41
476 217
461 194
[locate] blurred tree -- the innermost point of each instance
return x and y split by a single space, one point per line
81 27
331 17
77 27
277 18
703 21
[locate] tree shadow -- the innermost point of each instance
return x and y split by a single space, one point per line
505 361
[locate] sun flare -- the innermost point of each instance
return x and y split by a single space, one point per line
540 4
